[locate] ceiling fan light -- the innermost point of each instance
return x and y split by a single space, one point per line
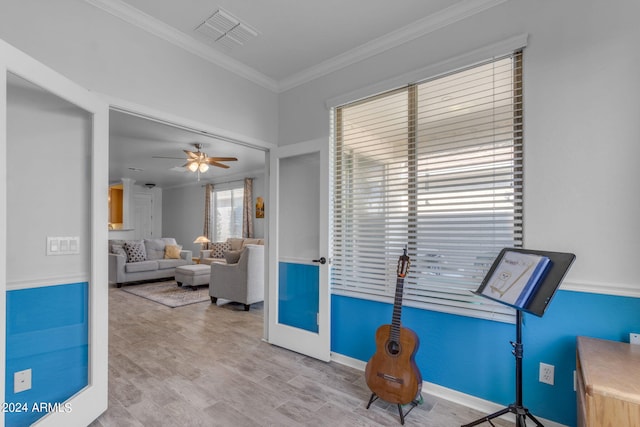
203 167
193 166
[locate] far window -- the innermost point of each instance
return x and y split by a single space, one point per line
227 213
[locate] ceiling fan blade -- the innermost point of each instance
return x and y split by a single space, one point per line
191 154
221 159
163 157
214 163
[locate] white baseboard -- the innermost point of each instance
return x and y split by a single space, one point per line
451 395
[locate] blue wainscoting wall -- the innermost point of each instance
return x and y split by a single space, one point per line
47 332
473 356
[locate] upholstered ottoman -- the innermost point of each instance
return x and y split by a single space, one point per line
193 275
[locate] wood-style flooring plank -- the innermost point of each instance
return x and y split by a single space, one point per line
206 365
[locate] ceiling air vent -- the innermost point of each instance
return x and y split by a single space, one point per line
225 29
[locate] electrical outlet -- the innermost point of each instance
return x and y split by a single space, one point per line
22 381
634 338
546 373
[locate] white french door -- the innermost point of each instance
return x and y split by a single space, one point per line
38 170
299 295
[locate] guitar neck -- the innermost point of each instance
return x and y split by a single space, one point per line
397 310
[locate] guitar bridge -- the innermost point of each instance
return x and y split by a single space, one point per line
390 378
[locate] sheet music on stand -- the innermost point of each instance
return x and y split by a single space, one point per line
525 279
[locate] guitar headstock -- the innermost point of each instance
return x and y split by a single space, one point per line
403 264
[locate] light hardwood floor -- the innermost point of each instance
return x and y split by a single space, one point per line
206 365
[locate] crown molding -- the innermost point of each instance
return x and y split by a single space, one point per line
158 28
424 26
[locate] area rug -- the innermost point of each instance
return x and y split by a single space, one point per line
169 293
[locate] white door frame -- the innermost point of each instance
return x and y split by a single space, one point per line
312 344
91 401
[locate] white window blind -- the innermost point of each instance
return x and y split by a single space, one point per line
435 166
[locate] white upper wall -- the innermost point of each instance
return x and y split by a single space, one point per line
582 130
109 56
581 105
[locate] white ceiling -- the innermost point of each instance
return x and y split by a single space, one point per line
295 35
137 147
297 41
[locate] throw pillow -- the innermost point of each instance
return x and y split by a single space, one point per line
154 248
219 248
232 257
172 251
118 250
135 251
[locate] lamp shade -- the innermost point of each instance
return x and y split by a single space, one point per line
201 239
193 166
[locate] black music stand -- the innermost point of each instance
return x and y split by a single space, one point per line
540 296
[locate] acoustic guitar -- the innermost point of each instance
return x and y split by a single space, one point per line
392 373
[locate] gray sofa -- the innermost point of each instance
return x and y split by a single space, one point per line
147 259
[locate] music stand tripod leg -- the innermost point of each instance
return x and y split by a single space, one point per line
516 408
488 418
534 419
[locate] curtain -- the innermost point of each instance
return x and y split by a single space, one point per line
247 209
208 192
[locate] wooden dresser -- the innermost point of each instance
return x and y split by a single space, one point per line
608 383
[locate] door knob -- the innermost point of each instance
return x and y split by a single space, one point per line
322 260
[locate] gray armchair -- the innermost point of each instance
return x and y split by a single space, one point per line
242 282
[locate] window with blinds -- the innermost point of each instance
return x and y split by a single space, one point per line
436 167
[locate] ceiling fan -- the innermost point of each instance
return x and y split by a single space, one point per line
197 161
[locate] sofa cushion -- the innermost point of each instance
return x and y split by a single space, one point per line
172 251
246 242
169 241
218 249
235 242
232 257
135 251
134 267
170 263
154 248
114 243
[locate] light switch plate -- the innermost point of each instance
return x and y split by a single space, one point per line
63 245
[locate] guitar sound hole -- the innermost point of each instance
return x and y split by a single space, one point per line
393 347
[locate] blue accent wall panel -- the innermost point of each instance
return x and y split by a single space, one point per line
473 356
47 332
298 295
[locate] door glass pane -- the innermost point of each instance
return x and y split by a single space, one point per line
299 192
